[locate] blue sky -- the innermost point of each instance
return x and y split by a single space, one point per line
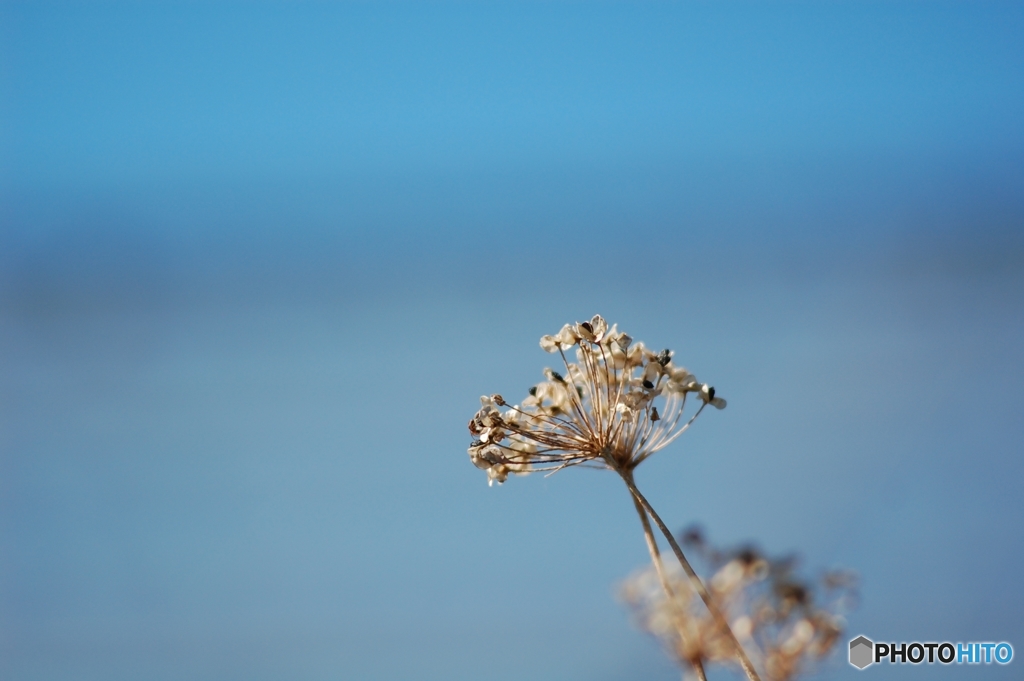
128 93
257 262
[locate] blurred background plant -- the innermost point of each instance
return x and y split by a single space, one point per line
787 623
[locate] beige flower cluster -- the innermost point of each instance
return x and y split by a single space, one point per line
773 612
617 404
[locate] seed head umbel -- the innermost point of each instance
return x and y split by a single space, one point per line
612 407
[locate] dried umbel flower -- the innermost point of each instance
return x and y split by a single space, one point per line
786 623
613 407
617 404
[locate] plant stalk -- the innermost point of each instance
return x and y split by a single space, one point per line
659 568
698 585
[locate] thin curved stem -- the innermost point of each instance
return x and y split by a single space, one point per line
652 547
698 585
659 568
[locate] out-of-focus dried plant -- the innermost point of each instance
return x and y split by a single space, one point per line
787 624
612 408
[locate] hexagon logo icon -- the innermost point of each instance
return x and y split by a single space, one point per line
861 652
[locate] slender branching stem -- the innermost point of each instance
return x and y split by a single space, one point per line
698 585
659 568
652 547
698 667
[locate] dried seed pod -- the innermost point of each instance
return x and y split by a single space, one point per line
617 404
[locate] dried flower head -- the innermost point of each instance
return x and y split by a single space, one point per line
783 622
613 407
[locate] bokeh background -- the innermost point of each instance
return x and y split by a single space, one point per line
258 262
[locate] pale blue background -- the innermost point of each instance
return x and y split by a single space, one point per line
258 261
